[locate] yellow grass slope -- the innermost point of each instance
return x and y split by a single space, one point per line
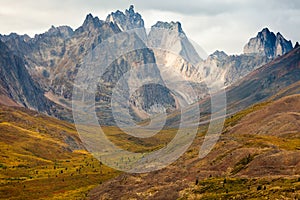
43 158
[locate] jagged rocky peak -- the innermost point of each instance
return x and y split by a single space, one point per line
126 21
296 45
263 43
174 26
268 44
91 22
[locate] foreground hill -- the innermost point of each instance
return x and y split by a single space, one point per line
257 156
42 157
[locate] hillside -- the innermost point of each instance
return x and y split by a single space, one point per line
42 157
266 81
258 155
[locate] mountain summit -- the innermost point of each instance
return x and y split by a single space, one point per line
126 21
175 26
268 44
91 22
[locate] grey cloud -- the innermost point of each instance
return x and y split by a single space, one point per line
192 7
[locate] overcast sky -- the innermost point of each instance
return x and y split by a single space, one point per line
214 24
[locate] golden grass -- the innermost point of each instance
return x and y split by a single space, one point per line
36 162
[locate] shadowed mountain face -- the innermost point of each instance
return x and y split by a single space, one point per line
17 84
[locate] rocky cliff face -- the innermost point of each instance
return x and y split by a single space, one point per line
177 60
17 84
268 44
266 81
171 38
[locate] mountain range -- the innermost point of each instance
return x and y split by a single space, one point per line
49 63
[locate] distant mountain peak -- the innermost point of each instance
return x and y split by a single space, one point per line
126 21
279 34
92 22
89 17
268 44
265 30
218 53
169 25
130 11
